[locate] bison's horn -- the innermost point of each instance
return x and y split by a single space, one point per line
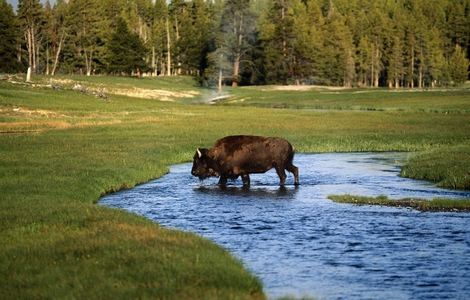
199 154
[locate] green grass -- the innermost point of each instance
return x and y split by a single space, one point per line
61 150
184 89
435 205
166 83
441 101
447 166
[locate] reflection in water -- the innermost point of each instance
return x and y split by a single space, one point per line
300 243
280 192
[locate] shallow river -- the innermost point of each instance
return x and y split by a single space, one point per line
300 243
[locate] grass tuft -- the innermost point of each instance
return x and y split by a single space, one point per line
447 166
435 205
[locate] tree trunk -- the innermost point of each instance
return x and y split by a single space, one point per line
377 65
33 50
420 77
47 60
56 60
236 63
154 65
412 84
219 89
168 46
284 42
18 54
28 75
178 62
29 46
236 71
88 62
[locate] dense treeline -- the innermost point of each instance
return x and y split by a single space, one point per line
394 43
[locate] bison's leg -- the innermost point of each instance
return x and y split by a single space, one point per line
246 179
222 180
282 175
294 170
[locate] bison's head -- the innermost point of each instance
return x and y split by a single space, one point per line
203 165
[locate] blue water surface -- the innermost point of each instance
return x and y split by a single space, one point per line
300 243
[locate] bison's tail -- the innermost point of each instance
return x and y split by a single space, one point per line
291 154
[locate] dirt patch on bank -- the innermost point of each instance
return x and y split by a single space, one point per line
302 88
162 95
22 111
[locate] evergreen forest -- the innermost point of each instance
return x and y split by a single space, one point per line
351 43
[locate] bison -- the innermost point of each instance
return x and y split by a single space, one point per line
242 155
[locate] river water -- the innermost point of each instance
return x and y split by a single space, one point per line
300 243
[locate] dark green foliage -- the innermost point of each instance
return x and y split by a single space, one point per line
458 66
278 40
196 38
361 43
126 51
9 38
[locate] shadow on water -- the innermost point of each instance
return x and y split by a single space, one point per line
233 192
300 243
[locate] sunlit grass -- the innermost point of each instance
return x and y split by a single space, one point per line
439 101
448 166
61 150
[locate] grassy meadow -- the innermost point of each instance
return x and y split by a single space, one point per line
304 97
62 149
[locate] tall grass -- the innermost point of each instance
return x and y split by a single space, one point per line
447 166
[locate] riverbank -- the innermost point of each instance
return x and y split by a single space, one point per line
434 205
62 149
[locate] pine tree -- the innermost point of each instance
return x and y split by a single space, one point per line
126 51
394 44
9 39
342 42
236 36
277 34
31 19
339 50
55 34
395 70
194 35
307 40
314 40
434 59
364 57
457 27
178 22
458 66
158 37
87 30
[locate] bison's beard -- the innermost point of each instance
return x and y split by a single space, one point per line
201 178
210 173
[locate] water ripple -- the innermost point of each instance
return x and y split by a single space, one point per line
299 243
